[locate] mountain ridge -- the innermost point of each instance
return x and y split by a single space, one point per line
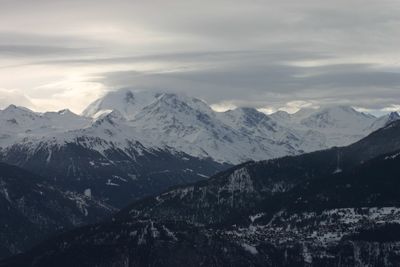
246 216
238 135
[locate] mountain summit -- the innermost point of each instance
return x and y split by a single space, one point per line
128 102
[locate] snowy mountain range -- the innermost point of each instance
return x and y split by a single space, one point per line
185 124
190 125
129 144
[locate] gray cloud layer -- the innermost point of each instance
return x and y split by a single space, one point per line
253 53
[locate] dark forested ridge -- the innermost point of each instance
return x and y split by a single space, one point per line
31 209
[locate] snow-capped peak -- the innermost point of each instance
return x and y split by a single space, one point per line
338 117
18 115
113 117
65 112
13 110
244 117
281 115
393 116
128 102
174 103
383 121
19 122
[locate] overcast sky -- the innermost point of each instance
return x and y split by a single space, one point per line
58 54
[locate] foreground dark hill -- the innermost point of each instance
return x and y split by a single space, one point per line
114 176
337 207
31 209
